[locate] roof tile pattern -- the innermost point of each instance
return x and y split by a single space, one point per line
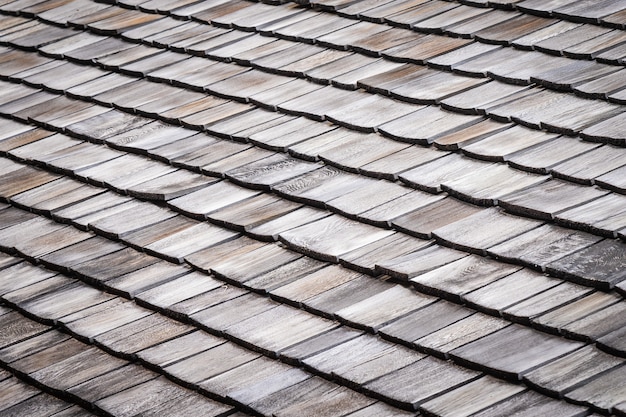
328 208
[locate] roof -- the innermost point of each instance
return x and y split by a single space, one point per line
312 208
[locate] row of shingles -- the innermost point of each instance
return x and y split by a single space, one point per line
595 83
366 368
18 398
255 269
364 259
237 175
482 150
550 34
248 22
83 374
597 153
229 373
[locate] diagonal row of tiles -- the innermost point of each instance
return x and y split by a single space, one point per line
605 13
296 180
262 326
19 398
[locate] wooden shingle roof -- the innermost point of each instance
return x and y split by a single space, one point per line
312 208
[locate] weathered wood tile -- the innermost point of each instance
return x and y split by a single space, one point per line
608 130
229 163
269 171
431 175
205 300
283 275
143 279
39 405
582 266
143 397
209 199
172 351
270 230
613 342
487 185
29 274
423 220
278 328
542 158
254 380
178 244
366 198
216 360
124 172
410 265
48 356
178 290
513 351
484 229
315 345
584 168
365 259
459 333
243 265
545 301
303 287
575 310
349 354
546 200
532 403
597 324
354 290
380 408
140 334
80 297
82 212
26 229
112 382
206 259
462 276
419 382
391 165
375 312
331 237
77 369
120 224
318 103
602 393
15 391
469 398
507 291
423 321
426 125
500 146
17 328
50 242
538 247
340 400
